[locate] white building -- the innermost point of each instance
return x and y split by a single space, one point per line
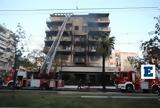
7 49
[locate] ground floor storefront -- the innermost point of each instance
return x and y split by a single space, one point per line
87 75
94 79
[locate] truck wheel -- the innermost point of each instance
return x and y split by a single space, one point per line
154 89
129 88
44 87
10 85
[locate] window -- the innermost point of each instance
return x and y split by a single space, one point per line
76 27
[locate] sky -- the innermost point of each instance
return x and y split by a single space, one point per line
129 26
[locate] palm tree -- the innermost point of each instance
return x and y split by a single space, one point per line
105 46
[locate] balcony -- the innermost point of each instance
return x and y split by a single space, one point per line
57 21
3 46
54 33
50 38
99 20
64 49
79 49
65 38
2 42
3 59
92 38
2 36
80 40
93 49
79 60
1 51
104 29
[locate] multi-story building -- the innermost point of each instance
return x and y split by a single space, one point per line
7 49
77 57
120 60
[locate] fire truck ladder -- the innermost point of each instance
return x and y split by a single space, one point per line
45 68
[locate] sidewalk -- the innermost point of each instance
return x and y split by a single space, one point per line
86 88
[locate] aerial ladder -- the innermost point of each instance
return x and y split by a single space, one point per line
45 68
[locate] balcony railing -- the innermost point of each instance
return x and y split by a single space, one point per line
103 20
66 38
78 49
79 60
50 38
64 49
57 18
99 29
3 46
92 49
1 51
58 28
3 43
3 37
79 39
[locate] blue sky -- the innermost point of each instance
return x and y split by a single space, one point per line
128 26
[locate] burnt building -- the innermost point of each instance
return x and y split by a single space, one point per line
76 57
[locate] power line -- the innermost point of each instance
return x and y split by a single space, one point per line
72 9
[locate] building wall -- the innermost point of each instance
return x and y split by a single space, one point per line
7 49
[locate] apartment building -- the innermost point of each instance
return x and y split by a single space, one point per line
7 49
76 56
120 60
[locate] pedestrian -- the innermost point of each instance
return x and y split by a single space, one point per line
89 83
159 90
79 84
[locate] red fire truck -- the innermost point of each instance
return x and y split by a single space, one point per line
22 81
42 81
131 81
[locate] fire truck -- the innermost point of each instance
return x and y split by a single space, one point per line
131 81
45 70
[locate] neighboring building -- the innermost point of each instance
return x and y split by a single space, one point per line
119 60
7 49
76 56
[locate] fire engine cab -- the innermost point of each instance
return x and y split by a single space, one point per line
131 81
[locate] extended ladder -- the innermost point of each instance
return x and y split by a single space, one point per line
45 68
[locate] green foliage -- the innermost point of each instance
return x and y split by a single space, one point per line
105 44
136 62
26 63
151 48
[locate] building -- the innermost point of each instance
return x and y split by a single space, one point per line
76 56
7 49
119 60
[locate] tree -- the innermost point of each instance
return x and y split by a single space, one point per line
136 62
21 44
105 46
36 57
19 49
151 48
